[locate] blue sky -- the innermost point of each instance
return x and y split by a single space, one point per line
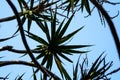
93 33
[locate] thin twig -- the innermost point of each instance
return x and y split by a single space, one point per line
10 48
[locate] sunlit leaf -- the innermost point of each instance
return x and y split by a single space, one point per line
62 70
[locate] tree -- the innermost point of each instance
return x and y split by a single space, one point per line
46 14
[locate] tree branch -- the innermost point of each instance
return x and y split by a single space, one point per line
24 39
5 63
110 23
10 48
15 62
45 71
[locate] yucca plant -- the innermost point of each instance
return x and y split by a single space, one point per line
55 46
32 13
98 71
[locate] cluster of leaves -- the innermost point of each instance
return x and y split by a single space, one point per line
54 48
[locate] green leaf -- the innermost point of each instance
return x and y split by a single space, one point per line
57 57
66 58
52 3
31 4
44 60
40 24
68 47
75 72
85 3
40 55
87 6
44 17
25 4
67 37
47 31
59 28
62 70
20 77
72 4
37 38
53 25
49 62
29 24
65 27
94 64
20 4
76 51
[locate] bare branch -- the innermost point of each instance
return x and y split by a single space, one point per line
5 63
45 71
10 18
10 48
15 62
110 23
24 39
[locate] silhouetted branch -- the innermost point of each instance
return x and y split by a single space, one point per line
15 62
10 18
10 48
5 63
113 3
110 23
25 42
24 39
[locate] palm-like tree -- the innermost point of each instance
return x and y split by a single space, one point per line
55 46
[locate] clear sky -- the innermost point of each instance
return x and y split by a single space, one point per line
92 34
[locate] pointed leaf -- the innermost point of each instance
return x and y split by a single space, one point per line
29 24
87 6
65 38
65 27
40 55
53 25
94 64
37 38
62 70
49 62
25 4
76 51
75 72
72 4
31 4
20 4
45 59
47 31
66 58
59 28
73 46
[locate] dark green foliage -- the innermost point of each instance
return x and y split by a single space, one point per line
55 47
